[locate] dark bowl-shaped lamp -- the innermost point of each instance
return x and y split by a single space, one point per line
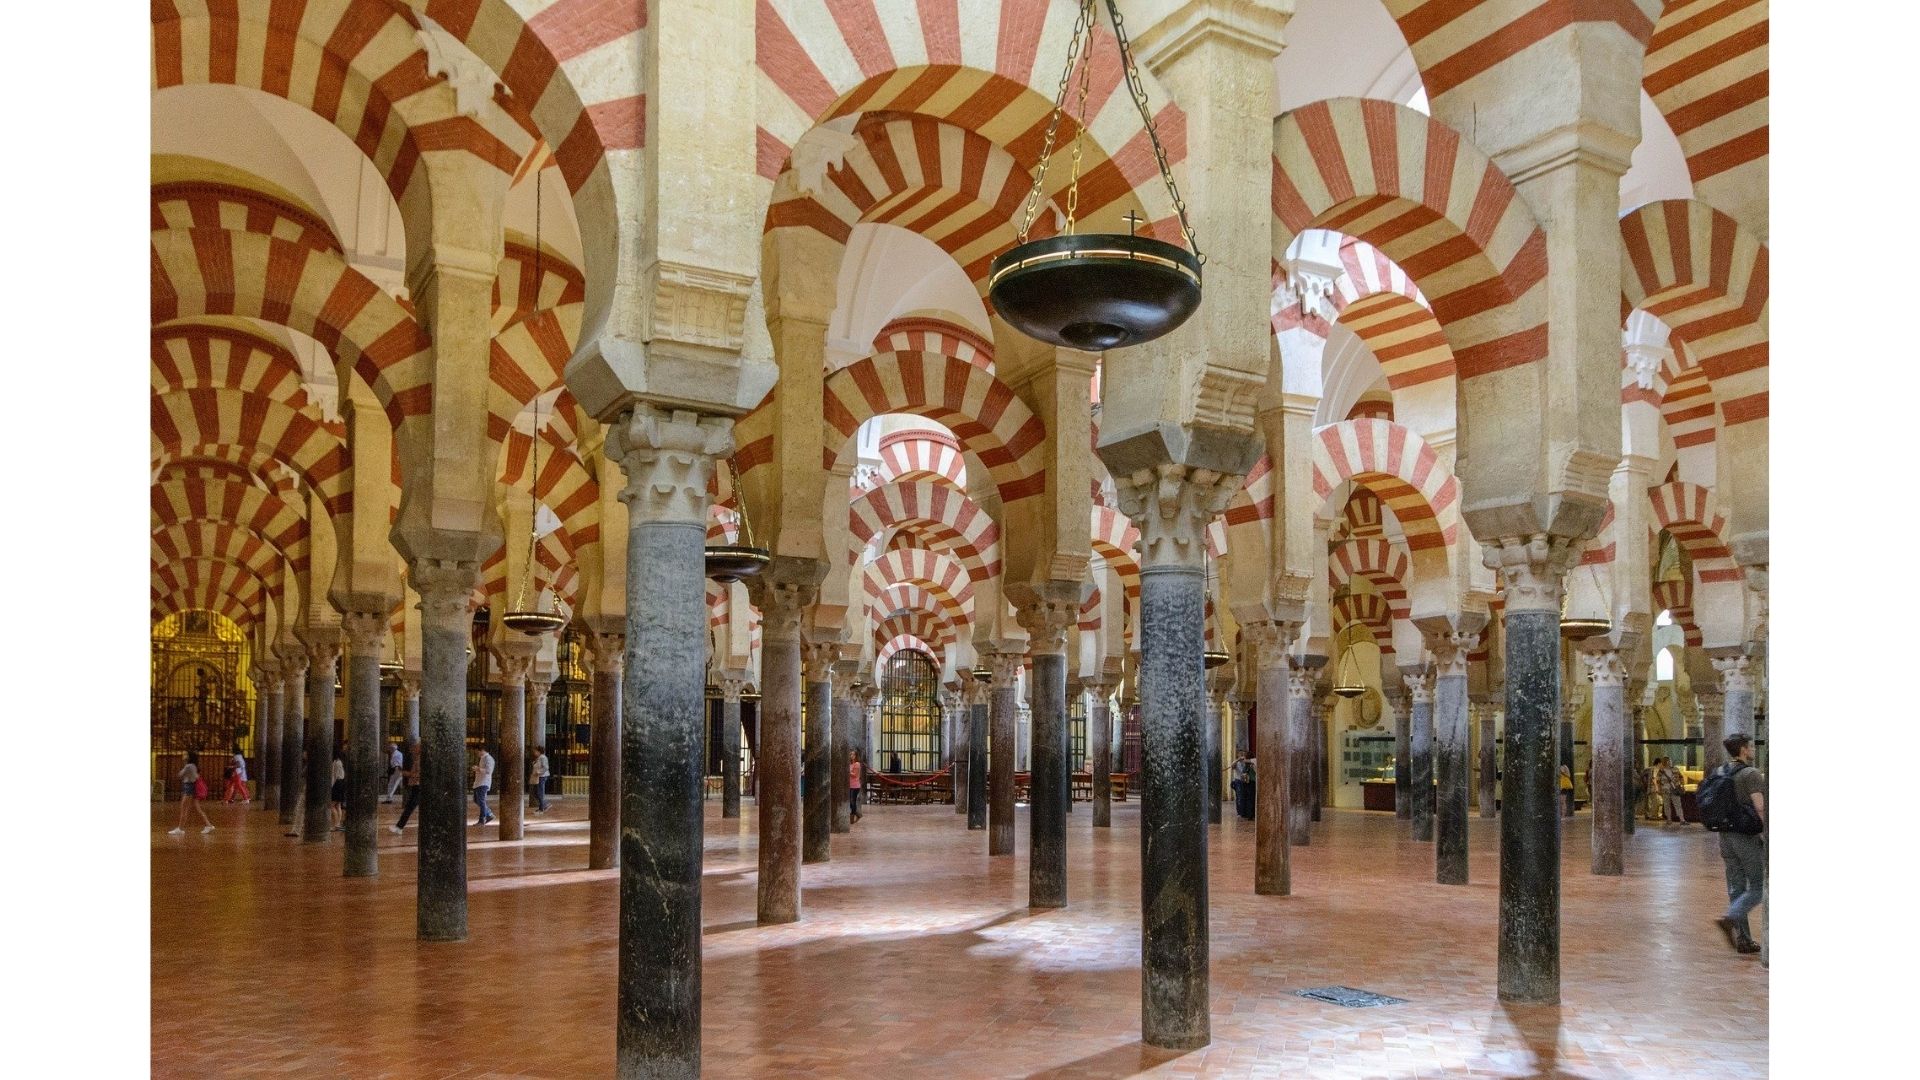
1350 690
728 563
1213 658
1095 291
533 622
1575 629
981 674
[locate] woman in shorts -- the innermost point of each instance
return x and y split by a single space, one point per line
191 792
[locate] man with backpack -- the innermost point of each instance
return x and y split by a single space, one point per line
1733 803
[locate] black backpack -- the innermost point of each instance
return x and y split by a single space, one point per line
1721 809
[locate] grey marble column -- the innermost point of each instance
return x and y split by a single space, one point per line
845 704
1608 671
1403 758
732 684
267 683
1451 742
1046 618
1630 753
366 633
1489 764
293 738
323 674
410 694
668 459
446 630
1736 691
1713 727
1320 738
1420 755
1003 715
538 687
817 793
1100 752
957 722
1272 859
1532 573
509 795
979 703
1211 731
1300 757
603 749
782 593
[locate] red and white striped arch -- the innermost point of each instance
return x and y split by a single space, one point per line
1370 610
942 514
188 423
1706 278
205 272
248 465
194 204
1378 561
180 499
1432 203
1454 42
987 66
1688 512
189 356
925 625
938 574
904 642
218 541
226 587
1676 598
1376 299
1116 540
922 450
923 333
1399 467
1706 71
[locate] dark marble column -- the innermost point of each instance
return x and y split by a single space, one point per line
410 694
1300 757
1608 670
446 628
958 714
782 593
979 703
1320 771
366 633
323 675
1630 753
817 792
1736 691
1272 859
1403 757
1003 718
509 796
267 737
842 739
603 750
293 738
1489 764
668 461
1420 750
1453 766
1100 752
1211 731
539 685
1532 571
1046 619
732 684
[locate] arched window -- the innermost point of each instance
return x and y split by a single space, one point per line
1663 665
910 713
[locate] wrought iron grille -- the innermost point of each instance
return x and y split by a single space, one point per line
202 701
1077 733
910 713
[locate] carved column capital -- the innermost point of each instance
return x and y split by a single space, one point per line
444 585
1300 682
323 649
1271 642
783 593
1171 505
512 667
538 689
1532 569
1450 649
819 657
1606 668
668 456
293 664
1046 617
366 632
410 685
1006 666
609 651
1419 687
1736 676
732 685
977 692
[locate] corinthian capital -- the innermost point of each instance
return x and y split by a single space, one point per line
1419 687
366 632
1300 681
1532 569
1450 649
819 657
1046 613
668 456
1005 664
512 667
444 586
1271 641
1735 674
1606 668
1171 505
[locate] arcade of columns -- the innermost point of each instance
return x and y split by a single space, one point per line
1441 388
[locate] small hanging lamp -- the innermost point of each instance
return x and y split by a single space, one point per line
1096 291
981 674
523 616
1347 682
1579 628
728 563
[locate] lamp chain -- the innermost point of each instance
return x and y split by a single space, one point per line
1053 122
1137 88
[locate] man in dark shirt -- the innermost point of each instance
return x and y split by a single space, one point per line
1745 855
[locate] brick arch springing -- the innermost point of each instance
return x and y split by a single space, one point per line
1454 42
194 204
247 465
1689 513
928 626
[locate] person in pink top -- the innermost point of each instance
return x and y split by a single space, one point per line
853 786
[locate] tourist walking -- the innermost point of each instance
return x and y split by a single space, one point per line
395 763
482 780
1670 784
1242 784
410 774
856 770
1733 803
192 789
537 784
237 781
337 794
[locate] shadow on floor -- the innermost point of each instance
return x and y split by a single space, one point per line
1129 1059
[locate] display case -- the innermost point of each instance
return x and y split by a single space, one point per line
1365 756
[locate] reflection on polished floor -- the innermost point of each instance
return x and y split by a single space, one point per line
916 957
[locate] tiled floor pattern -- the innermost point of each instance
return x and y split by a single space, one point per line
917 957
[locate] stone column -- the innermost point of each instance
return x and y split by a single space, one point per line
668 458
1217 686
603 751
732 684
1003 714
1046 618
782 592
1301 760
323 674
1403 757
979 701
293 738
1100 751
509 795
1713 726
1532 571
1319 758
1171 505
446 628
410 693
538 687
817 839
1609 673
842 739
1736 690
266 683
1272 861
1420 754
1630 754
366 633
958 714
1489 763
1451 737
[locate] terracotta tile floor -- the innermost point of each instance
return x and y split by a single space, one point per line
916 957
